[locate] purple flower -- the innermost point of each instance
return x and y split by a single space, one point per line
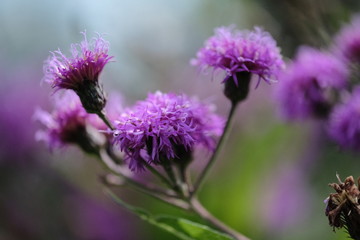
235 52
17 107
344 123
164 127
67 123
347 41
87 61
81 71
305 87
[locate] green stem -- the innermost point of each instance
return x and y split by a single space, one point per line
171 201
108 163
211 162
170 172
158 174
191 205
185 181
197 208
105 120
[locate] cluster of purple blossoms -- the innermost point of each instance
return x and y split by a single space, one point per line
235 52
313 85
305 87
344 122
347 41
80 72
165 127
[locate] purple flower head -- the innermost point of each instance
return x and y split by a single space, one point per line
67 123
305 87
235 52
165 126
80 72
87 61
344 123
347 41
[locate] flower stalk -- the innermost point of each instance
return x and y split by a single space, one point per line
159 194
103 117
216 152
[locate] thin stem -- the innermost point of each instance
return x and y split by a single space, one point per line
203 213
170 172
115 157
158 174
185 181
204 173
192 205
171 201
115 169
105 120
176 176
152 192
165 199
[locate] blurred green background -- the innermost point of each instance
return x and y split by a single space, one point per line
271 178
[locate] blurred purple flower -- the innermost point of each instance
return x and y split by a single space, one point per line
165 126
344 123
304 88
17 108
347 41
254 52
67 123
87 61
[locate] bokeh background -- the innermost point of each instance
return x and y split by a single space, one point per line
271 178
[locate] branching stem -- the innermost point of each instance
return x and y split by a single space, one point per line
108 163
158 174
183 201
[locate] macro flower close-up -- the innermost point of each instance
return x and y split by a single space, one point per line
204 120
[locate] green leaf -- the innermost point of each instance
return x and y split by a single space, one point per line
180 227
143 214
192 230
